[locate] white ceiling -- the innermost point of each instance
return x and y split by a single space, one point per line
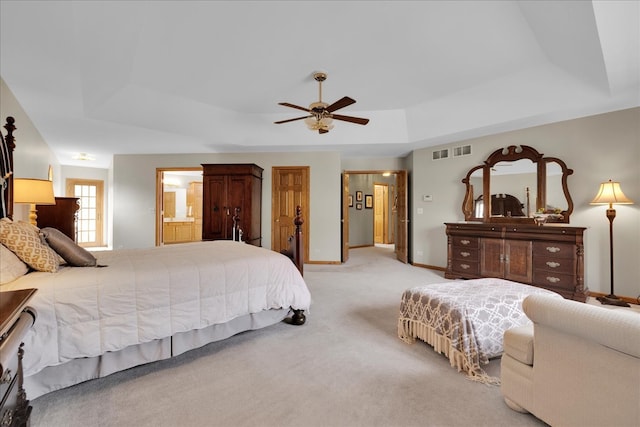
206 76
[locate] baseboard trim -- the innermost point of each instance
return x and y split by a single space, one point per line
323 262
430 267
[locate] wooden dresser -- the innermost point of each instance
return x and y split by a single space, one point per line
15 321
226 187
62 215
550 256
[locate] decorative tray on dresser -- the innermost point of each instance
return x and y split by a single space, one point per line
15 320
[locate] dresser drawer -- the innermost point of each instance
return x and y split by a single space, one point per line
465 254
554 265
550 278
465 242
465 267
554 250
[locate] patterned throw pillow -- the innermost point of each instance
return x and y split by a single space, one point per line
11 267
23 239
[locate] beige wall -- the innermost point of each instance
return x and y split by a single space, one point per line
134 196
597 148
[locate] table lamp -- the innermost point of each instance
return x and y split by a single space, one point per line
34 192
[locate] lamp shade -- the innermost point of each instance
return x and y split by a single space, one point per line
34 191
611 194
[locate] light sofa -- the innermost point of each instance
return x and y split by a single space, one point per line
576 365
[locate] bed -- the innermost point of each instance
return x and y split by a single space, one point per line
133 306
465 320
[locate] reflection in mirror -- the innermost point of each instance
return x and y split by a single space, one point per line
513 188
475 180
556 201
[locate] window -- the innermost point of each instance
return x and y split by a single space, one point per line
89 224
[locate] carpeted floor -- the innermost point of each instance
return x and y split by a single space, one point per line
345 367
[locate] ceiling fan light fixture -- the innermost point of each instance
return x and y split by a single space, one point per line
324 123
321 114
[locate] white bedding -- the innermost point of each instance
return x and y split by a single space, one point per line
146 294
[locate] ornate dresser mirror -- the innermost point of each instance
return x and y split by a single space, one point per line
518 184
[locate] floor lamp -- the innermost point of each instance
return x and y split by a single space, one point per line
611 194
33 192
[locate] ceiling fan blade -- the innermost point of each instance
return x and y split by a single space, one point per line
291 120
357 120
341 103
286 104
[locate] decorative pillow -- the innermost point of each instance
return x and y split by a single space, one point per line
73 254
11 267
23 239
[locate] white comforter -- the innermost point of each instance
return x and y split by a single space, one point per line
145 294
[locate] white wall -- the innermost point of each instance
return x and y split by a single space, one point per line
33 156
134 196
597 148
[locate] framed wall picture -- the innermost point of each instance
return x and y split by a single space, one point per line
368 201
350 200
359 206
358 196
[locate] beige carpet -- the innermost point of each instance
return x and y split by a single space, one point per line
345 367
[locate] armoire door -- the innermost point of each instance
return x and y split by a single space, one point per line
214 218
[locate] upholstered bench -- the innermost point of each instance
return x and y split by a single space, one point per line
465 320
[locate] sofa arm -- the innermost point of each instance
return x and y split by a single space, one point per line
518 343
615 328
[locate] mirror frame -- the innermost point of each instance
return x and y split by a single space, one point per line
510 154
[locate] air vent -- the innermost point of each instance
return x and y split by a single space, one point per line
463 150
440 154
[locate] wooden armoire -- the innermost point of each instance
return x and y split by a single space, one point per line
226 187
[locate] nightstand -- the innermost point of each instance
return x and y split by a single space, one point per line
15 320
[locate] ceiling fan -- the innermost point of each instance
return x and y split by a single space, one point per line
321 114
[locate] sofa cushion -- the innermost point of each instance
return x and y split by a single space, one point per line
518 343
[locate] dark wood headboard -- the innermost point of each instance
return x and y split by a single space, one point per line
7 146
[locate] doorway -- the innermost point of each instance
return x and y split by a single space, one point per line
178 205
290 188
375 211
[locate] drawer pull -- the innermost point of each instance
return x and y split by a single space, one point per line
553 249
465 254
465 242
7 377
552 279
553 264
465 266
